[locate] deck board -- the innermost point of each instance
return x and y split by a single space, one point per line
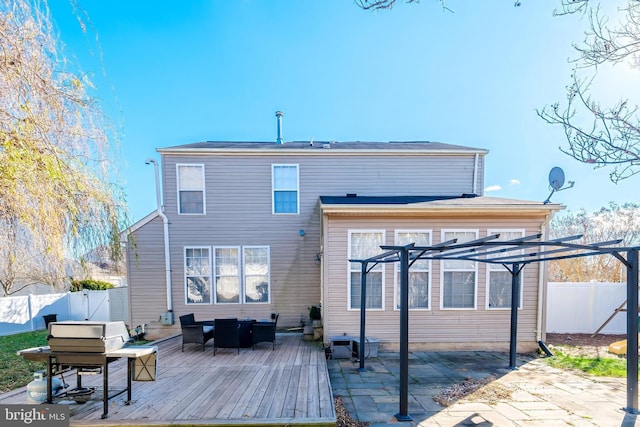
289 385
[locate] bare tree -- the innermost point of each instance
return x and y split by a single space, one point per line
388 4
56 150
609 223
379 4
605 136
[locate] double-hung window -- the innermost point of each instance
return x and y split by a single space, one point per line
197 270
499 278
256 273
364 244
419 271
459 277
227 267
242 274
190 189
285 185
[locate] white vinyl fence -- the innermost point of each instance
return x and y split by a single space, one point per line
584 307
571 308
26 313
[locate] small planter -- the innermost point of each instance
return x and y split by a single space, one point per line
307 333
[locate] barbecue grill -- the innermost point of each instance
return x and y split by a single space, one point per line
89 347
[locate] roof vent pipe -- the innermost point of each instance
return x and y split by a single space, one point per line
279 116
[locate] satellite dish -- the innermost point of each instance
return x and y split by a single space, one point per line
556 181
556 178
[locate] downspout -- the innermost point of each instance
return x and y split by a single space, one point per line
165 222
541 269
475 174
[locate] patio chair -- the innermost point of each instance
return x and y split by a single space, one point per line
227 335
194 332
265 332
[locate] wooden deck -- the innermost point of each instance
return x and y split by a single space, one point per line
286 386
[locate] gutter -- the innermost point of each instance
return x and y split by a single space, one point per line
165 223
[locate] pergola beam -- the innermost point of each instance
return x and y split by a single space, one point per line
451 250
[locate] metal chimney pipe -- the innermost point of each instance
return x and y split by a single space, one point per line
279 116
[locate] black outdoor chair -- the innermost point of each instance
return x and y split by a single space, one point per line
227 335
194 332
265 332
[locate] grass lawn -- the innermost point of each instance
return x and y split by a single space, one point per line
15 371
592 365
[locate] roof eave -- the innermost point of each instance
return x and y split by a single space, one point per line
457 210
315 152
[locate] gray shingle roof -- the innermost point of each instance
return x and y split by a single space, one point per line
321 145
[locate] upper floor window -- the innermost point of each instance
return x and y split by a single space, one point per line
419 271
499 279
285 189
459 278
190 189
362 245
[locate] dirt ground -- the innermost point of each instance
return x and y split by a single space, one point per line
583 340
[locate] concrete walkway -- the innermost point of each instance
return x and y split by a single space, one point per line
533 395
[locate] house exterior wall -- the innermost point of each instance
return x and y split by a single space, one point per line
238 191
146 274
436 328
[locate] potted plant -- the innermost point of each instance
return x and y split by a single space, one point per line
315 314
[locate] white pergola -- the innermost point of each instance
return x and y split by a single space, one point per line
514 255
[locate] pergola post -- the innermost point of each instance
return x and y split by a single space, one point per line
515 300
632 331
363 312
404 336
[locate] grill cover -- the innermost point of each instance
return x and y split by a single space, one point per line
87 336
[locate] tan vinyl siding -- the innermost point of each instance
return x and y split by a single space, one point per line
239 213
435 328
146 277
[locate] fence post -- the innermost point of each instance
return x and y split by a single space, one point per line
30 309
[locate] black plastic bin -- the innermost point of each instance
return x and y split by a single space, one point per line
48 318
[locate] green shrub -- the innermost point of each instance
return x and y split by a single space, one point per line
91 285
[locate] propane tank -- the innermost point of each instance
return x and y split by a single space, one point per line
37 389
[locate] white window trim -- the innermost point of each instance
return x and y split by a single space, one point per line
351 264
184 270
273 189
396 271
215 277
178 188
243 275
442 271
490 232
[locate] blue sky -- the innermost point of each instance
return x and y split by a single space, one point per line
171 73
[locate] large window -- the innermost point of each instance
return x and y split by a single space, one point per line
227 267
190 189
499 278
285 189
419 271
365 244
242 274
459 278
256 274
197 270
